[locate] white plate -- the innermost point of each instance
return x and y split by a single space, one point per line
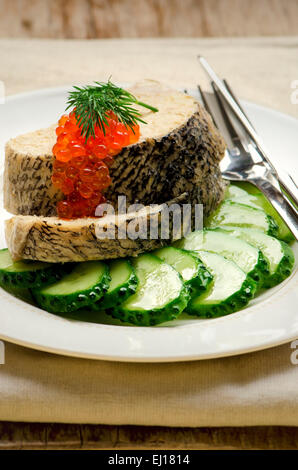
271 318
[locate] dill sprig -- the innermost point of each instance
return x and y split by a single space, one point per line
93 103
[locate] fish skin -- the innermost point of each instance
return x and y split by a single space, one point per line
55 240
151 171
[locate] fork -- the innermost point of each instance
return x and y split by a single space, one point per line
243 160
229 98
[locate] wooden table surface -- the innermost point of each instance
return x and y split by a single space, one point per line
86 437
85 19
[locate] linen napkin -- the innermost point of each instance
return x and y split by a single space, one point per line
247 390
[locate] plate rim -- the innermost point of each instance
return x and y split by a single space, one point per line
281 291
293 279
42 91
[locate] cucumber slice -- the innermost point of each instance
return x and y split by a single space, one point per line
233 193
84 285
22 294
248 194
193 272
246 256
222 297
123 284
241 215
160 296
279 255
27 274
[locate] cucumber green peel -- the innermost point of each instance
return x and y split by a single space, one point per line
193 272
222 297
279 255
161 294
123 284
242 215
27 274
246 193
246 256
221 267
84 285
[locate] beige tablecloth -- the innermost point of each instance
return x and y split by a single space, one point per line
253 389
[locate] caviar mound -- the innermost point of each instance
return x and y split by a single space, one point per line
81 166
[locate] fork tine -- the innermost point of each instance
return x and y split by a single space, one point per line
211 105
227 98
236 100
237 138
205 103
232 131
223 120
292 191
256 149
287 188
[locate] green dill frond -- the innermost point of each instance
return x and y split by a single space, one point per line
93 103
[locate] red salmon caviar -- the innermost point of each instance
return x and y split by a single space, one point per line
81 169
65 209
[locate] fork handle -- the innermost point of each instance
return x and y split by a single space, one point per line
280 204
